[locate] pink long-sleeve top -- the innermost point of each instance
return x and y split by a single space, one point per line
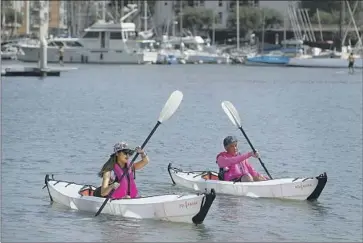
235 166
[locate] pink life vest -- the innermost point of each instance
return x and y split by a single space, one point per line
127 184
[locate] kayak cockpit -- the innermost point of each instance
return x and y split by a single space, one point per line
87 191
210 176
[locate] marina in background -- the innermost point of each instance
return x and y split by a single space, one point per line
96 33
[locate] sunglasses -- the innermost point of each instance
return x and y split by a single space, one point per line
127 151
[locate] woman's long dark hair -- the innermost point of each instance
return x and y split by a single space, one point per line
108 166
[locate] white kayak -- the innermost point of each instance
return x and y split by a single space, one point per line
284 188
191 208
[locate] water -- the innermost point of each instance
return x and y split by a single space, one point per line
303 122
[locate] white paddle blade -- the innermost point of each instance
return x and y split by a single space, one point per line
171 106
232 113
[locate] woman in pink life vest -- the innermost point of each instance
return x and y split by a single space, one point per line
119 164
234 166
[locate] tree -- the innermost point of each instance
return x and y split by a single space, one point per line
251 18
333 7
273 18
323 5
198 18
177 4
10 16
9 13
325 18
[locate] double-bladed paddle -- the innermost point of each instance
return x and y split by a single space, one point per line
233 115
168 110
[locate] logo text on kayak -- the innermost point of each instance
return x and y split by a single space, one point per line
303 186
187 204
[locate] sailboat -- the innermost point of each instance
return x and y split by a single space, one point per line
275 58
188 48
329 62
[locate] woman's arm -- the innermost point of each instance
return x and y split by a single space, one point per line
256 175
144 161
105 188
224 161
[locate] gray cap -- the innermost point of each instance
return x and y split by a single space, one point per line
121 146
229 140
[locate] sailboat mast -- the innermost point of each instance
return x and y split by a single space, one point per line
341 23
237 18
145 15
103 10
263 32
15 7
181 21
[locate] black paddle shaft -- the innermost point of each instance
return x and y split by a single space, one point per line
132 162
143 145
254 150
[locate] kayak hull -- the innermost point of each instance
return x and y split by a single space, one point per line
284 188
190 208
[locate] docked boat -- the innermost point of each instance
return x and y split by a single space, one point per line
189 208
324 62
272 58
101 43
9 52
192 50
10 49
307 188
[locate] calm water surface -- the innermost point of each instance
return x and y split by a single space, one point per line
303 122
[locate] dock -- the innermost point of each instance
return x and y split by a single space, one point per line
29 71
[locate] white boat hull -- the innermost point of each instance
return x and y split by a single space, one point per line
206 58
191 208
285 188
83 55
324 62
8 55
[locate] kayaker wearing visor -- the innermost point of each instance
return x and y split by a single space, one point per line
118 163
234 166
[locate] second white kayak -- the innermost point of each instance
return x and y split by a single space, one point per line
308 188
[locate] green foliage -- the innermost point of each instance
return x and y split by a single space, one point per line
332 16
272 18
10 15
330 10
9 12
323 5
328 6
198 18
178 4
251 18
325 17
